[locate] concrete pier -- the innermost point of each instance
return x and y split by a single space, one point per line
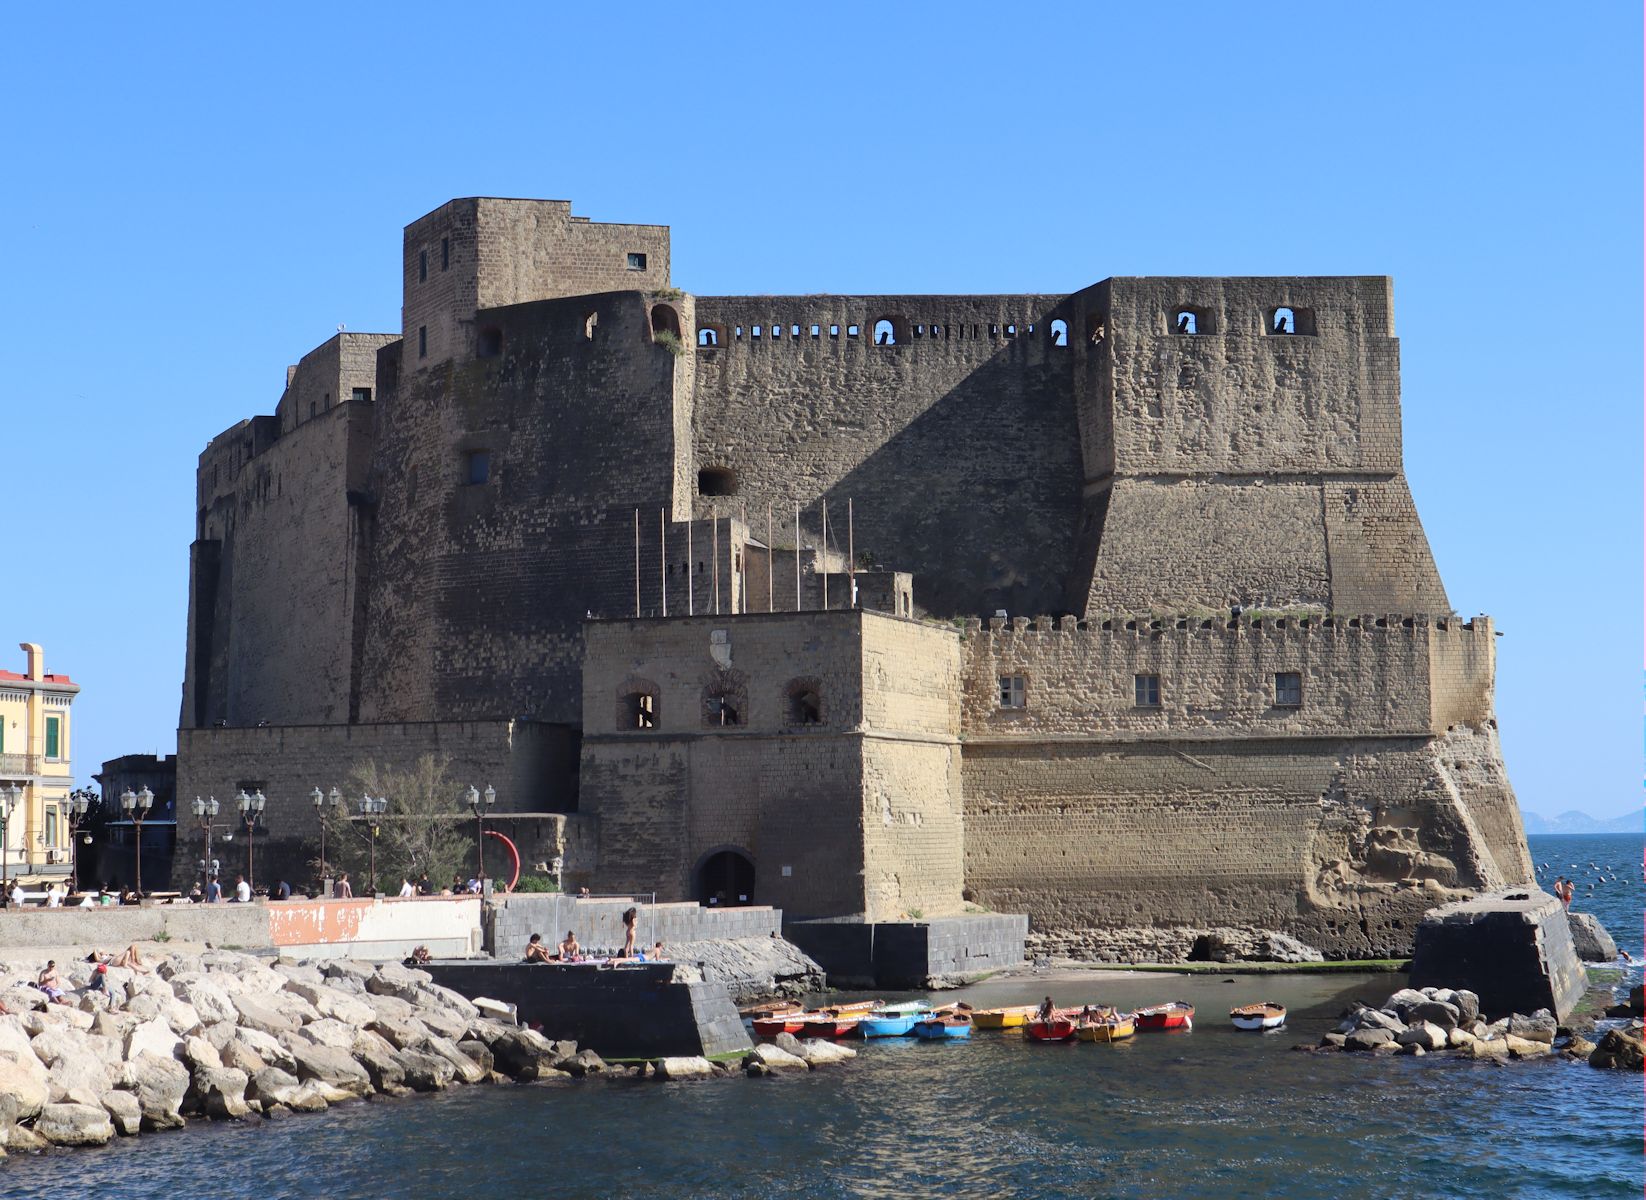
1512 948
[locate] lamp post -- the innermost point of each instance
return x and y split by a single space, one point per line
10 798
251 808
137 805
480 804
320 799
204 812
78 804
372 807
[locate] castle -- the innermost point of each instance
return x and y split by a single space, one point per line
1123 616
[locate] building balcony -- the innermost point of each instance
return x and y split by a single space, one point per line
35 766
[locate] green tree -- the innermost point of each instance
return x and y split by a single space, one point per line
422 829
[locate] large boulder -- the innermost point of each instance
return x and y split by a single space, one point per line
523 1054
479 1053
124 1112
1539 1027
696 1067
444 1021
393 980
1620 1051
329 1002
465 1067
584 1062
386 1007
776 1059
271 1086
425 1071
328 1031
155 1037
1360 1039
403 1033
1435 1012
333 1067
1590 939
161 1084
1424 1034
267 1047
242 1057
382 1062
818 1052
198 1052
1403 1001
1520 1047
206 995
74 1125
222 1092
24 1077
1494 1049
257 1012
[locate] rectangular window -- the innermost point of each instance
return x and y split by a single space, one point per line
637 262
422 341
422 266
51 825
478 466
1288 689
361 394
1014 691
54 737
1147 690
445 253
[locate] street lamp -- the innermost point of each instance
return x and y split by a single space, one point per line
372 807
480 804
251 808
137 805
320 799
10 798
204 812
79 802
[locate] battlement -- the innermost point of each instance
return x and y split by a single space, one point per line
1303 623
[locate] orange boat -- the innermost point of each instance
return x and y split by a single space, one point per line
774 1008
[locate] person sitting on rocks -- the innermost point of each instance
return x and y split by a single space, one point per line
51 983
656 953
536 951
570 951
129 957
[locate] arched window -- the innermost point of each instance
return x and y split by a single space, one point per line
708 336
489 342
1288 320
637 704
716 481
1060 333
890 331
724 704
665 319
1283 320
804 701
1186 321
589 322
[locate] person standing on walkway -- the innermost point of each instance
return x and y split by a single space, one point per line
242 890
630 916
343 891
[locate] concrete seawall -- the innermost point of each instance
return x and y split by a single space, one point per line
598 922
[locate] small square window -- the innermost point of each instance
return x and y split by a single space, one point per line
360 394
422 266
1146 689
637 262
1014 691
478 464
1288 689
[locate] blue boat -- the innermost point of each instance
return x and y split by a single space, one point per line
885 1024
946 1025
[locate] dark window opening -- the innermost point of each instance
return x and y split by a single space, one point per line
1288 689
1060 333
851 331
422 266
817 331
665 320
637 709
637 262
1014 691
722 708
477 466
717 481
754 331
794 331
422 341
1146 690
445 253
311 408
890 331
360 394
726 880
489 343
805 702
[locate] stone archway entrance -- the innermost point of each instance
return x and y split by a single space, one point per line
725 879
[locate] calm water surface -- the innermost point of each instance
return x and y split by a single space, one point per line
1214 1112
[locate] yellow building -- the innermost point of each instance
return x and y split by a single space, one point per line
35 743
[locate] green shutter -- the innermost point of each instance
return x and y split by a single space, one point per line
53 740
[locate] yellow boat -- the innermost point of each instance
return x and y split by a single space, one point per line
1111 1030
1002 1018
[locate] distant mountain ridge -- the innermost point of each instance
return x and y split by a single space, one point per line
1580 822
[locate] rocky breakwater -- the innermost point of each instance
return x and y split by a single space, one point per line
1419 1021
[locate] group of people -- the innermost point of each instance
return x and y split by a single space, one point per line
50 980
422 886
571 951
1563 890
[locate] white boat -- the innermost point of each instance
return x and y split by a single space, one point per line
1258 1016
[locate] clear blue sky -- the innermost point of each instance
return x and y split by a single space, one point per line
193 201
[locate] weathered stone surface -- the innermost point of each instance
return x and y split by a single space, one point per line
402 1033
239 1055
329 1002
124 1112
198 1052
1520 1047
584 1062
1513 948
330 1032
775 1059
161 1084
496 1010
267 1047
1367 1039
1590 939
695 1067
426 1072
331 1066
1425 1034
206 996
257 1012
523 1054
479 1053
818 1052
467 1069
155 1037
222 1091
24 1077
1435 1012
1539 1027
1619 1051
1497 1048
74 1125
272 1086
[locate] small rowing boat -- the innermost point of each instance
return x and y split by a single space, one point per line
1113 1027
1060 1028
1003 1018
1266 1015
829 1025
1179 1014
782 1023
774 1008
888 1024
945 1025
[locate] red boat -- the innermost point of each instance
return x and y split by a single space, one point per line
1179 1014
1061 1028
827 1025
782 1023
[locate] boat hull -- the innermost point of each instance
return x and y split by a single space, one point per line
894 1025
1058 1029
1258 1021
932 1031
1165 1016
1002 1018
1107 1031
772 1026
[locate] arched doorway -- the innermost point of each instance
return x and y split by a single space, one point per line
725 879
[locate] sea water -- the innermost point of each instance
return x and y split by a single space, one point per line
1214 1112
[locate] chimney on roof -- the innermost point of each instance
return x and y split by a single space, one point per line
36 659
